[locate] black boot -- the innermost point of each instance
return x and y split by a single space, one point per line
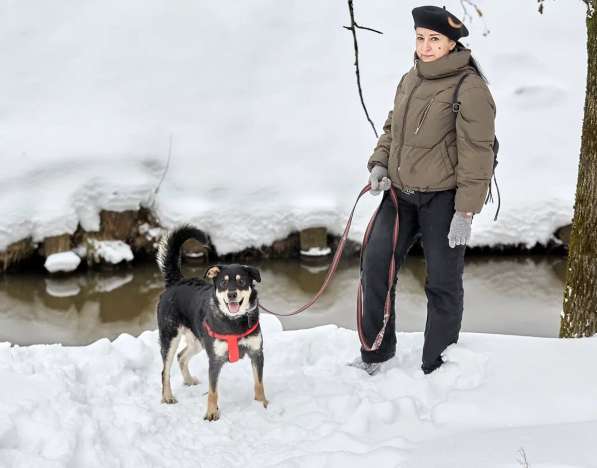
428 368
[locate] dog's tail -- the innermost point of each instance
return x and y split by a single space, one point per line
168 256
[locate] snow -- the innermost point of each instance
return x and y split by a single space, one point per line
111 251
99 405
260 101
316 252
62 261
150 233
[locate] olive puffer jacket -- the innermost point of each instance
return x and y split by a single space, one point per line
426 146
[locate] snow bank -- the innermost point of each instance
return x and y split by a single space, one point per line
99 405
260 99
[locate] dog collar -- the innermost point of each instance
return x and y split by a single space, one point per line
232 340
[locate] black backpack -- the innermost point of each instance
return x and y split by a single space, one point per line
496 148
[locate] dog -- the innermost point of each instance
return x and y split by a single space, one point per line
219 313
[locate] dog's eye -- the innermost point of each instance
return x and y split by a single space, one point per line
241 282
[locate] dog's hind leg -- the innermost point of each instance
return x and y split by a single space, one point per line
169 344
193 347
257 364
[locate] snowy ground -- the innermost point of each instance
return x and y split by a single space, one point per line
98 406
260 99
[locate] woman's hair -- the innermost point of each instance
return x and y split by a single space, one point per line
473 63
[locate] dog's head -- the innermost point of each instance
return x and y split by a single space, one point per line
234 289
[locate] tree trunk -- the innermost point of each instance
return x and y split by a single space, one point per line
579 317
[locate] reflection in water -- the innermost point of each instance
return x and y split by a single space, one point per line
62 287
502 295
77 309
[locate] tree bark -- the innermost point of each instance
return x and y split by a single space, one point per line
579 317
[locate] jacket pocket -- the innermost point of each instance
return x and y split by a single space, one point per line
450 166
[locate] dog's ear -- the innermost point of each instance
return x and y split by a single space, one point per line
253 273
212 272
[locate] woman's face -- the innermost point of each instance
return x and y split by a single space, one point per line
432 45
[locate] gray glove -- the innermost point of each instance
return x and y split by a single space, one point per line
379 180
460 229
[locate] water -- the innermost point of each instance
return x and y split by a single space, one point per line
511 295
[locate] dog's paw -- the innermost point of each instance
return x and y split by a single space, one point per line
192 381
212 415
263 401
169 401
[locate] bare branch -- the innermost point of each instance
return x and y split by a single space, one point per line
362 27
367 29
522 458
353 28
467 15
165 168
472 4
589 3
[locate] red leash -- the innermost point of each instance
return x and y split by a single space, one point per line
391 276
336 260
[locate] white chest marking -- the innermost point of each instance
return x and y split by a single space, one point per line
251 342
220 347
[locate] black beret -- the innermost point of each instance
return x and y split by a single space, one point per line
440 20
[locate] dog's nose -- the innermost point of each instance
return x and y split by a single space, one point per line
232 295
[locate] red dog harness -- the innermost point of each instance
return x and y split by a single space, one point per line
232 340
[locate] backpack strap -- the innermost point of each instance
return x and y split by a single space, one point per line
490 197
455 101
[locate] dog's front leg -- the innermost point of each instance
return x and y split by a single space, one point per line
257 364
213 412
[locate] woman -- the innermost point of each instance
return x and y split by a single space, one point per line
439 157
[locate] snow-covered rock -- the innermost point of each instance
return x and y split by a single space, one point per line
62 261
109 251
316 252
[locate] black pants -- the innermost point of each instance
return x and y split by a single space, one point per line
425 214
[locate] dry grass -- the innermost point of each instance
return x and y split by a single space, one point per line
15 253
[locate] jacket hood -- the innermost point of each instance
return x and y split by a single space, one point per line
448 65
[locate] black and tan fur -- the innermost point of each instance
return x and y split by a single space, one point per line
227 301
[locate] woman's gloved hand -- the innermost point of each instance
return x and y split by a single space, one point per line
379 180
460 229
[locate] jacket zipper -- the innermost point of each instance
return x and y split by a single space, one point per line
425 112
405 115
